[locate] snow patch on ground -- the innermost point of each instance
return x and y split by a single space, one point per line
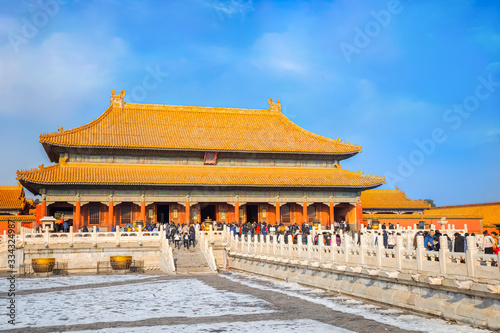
68 281
131 302
392 317
276 326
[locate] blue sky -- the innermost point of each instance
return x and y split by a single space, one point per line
415 83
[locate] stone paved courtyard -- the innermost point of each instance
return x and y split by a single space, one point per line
201 303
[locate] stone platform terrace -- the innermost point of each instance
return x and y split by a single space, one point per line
214 303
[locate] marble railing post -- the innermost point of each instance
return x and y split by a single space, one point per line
255 243
420 252
321 247
299 246
47 236
409 241
333 248
290 243
362 249
309 246
470 254
94 234
443 254
274 245
398 249
268 238
71 235
248 243
379 250
347 247
281 239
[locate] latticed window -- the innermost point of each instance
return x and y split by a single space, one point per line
285 214
126 214
94 215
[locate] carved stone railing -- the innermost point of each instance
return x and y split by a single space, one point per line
95 238
402 257
206 238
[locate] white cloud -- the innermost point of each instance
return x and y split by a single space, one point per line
54 76
280 52
232 7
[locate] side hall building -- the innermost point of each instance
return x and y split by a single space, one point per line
182 164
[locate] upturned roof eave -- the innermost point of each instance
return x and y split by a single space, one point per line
53 158
34 189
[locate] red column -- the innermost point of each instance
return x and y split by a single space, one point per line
143 211
278 213
111 215
237 212
359 215
44 208
76 218
188 213
332 219
304 212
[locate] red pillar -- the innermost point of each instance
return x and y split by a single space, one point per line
44 208
237 212
359 215
304 212
188 213
331 213
143 211
111 216
76 218
278 213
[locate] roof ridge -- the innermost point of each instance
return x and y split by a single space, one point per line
78 128
339 141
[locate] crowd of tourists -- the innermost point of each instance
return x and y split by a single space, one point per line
181 234
432 240
185 236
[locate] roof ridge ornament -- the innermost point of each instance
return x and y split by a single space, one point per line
62 160
274 106
118 99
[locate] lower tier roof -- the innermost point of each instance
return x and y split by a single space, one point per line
187 175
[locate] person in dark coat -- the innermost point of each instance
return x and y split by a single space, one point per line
385 237
459 243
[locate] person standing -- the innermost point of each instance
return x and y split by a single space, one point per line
488 243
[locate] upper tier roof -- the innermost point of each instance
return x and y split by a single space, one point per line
172 127
390 199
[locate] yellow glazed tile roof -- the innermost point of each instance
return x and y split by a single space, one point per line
490 212
151 126
18 218
390 199
105 174
12 197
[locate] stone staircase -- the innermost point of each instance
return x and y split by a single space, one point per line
190 261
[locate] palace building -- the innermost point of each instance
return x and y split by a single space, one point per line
164 163
15 208
394 207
